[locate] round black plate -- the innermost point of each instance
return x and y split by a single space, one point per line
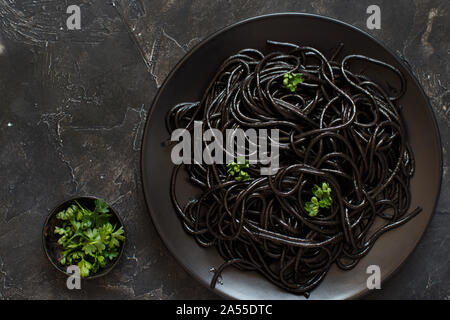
187 82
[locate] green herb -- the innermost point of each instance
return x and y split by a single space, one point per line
321 199
88 239
236 170
291 80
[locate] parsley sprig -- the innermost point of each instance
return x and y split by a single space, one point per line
291 80
321 199
236 170
88 239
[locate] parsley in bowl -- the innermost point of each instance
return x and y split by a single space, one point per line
85 232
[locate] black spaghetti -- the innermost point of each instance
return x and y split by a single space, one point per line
337 128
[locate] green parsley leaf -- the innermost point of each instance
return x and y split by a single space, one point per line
60 231
116 237
101 206
85 267
111 254
291 80
236 169
321 199
87 238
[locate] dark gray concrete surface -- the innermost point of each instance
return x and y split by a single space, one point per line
73 105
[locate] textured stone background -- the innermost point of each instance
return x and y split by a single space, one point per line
74 103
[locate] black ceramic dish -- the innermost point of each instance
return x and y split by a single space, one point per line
187 82
49 238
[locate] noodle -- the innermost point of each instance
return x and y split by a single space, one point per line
338 127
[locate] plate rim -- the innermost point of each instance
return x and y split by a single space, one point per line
400 60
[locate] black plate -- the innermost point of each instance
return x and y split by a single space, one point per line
187 82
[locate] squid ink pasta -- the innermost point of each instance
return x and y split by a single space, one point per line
344 164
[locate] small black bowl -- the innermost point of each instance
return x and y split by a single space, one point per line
50 239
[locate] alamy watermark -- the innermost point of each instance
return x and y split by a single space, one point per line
374 20
374 280
74 280
73 22
210 147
